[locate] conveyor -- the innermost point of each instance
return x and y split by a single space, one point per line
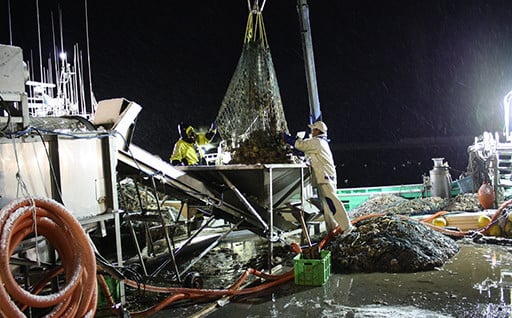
254 194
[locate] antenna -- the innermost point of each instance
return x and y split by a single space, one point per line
88 56
39 39
10 21
55 54
61 32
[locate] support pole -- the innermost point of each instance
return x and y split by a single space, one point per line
244 201
309 61
506 106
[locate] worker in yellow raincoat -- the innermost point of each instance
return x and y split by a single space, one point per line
187 150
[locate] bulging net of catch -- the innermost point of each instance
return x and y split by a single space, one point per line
252 103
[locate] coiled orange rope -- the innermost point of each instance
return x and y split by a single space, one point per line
43 216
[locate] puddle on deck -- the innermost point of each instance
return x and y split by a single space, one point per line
477 282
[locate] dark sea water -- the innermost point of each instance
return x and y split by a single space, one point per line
382 167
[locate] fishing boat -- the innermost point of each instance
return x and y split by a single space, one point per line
50 139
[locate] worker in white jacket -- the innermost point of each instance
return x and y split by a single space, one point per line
317 150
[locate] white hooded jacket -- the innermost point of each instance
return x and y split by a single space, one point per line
319 153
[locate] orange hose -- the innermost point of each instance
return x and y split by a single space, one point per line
433 216
106 291
178 293
166 302
78 296
338 230
233 289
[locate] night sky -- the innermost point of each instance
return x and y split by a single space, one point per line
390 73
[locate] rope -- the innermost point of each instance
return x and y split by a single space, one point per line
22 187
255 6
256 29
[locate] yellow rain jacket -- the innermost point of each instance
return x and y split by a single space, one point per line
186 153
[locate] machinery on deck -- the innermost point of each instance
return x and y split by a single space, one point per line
50 149
80 164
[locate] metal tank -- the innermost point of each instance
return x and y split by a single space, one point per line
440 179
79 172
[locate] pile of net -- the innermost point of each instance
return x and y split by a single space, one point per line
391 244
395 204
252 106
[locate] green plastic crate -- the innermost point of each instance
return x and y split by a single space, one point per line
312 272
115 291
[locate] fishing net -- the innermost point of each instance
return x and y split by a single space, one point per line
252 103
391 244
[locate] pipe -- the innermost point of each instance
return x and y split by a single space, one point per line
244 201
309 61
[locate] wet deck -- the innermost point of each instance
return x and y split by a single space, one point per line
477 282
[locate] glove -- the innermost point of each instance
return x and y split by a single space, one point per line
175 162
289 139
213 126
211 132
297 153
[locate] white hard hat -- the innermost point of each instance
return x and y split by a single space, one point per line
320 125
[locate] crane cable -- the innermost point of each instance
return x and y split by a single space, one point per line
255 27
78 297
255 6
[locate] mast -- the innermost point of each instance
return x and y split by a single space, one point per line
309 61
39 40
89 58
61 32
506 106
55 53
10 21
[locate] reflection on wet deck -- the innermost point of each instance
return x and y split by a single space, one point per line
477 282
